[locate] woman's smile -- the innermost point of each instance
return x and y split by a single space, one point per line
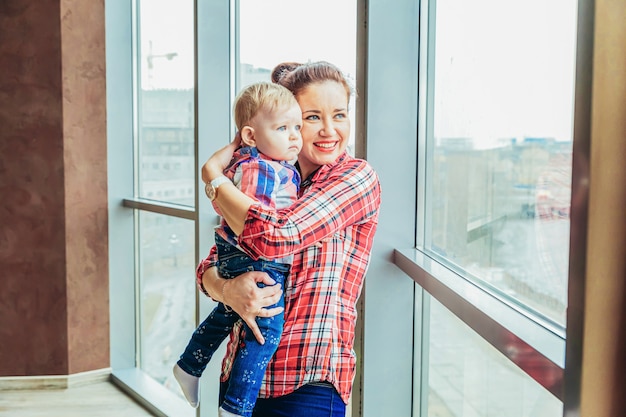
326 146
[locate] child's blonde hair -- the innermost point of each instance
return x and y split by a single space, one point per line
260 95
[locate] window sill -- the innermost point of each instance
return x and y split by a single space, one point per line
150 394
508 329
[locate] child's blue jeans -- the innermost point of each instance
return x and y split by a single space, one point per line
252 358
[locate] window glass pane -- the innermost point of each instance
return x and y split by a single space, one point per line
275 31
500 146
165 100
166 293
467 377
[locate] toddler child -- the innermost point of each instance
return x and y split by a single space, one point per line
268 119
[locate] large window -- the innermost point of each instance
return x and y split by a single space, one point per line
166 292
499 146
494 191
164 174
165 101
469 109
468 377
174 69
152 194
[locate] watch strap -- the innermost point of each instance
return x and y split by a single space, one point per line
222 179
212 186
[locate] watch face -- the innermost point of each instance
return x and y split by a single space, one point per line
211 187
211 192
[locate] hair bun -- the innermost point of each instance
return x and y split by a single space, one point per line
281 70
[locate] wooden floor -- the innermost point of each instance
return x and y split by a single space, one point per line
101 399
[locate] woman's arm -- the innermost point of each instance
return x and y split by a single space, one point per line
341 196
233 204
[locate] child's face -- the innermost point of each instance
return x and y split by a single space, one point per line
277 133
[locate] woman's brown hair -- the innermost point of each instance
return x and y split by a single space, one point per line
297 77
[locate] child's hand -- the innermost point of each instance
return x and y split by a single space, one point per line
217 163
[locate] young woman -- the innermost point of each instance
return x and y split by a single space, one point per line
329 230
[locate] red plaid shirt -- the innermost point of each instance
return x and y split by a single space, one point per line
339 206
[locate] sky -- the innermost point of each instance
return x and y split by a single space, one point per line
504 68
271 31
298 30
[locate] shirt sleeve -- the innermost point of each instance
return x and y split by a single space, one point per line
216 208
348 195
206 263
259 180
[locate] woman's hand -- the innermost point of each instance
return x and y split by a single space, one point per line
244 296
217 163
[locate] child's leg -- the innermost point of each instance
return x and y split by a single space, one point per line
251 361
203 344
206 339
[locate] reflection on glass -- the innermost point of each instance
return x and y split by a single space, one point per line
500 146
165 113
273 31
166 293
467 377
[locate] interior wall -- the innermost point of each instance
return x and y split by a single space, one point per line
54 310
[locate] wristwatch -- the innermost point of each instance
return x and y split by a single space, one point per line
211 187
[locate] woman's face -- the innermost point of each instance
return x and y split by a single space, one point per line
325 125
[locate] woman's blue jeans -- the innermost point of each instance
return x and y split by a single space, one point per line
310 400
252 358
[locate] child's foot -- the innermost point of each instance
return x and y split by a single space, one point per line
189 384
223 413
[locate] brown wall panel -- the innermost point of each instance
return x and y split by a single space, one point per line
603 380
53 219
85 162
